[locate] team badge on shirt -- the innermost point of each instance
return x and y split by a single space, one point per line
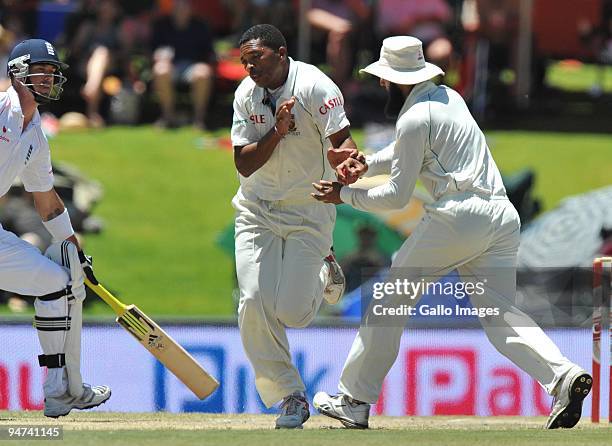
293 130
292 127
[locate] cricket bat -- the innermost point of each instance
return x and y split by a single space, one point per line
174 357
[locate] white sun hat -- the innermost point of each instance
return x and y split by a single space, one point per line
402 62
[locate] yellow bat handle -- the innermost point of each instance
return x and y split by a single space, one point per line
117 306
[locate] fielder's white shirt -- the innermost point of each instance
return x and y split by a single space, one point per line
23 154
300 158
438 142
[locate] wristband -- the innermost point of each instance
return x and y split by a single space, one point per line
60 227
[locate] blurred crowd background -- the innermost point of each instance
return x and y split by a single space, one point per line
175 62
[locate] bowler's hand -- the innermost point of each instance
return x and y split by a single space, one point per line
328 192
283 116
351 169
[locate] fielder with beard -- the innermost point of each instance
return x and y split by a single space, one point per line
471 226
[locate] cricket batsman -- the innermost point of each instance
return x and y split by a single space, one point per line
56 278
471 227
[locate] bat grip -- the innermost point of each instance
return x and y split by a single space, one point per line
90 276
117 306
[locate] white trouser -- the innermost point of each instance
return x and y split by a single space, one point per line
24 270
476 236
280 249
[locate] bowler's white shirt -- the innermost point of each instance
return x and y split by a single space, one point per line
300 158
23 154
438 142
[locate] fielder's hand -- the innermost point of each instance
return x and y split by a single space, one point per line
351 170
328 192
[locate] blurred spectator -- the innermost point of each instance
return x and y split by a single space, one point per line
340 21
183 52
136 30
133 66
136 26
425 20
495 24
498 23
7 42
26 10
215 13
366 256
94 47
86 10
12 31
280 13
598 38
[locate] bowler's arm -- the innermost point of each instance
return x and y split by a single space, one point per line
248 159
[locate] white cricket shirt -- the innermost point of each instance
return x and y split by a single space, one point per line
437 141
300 157
25 155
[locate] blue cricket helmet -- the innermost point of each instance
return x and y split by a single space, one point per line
37 51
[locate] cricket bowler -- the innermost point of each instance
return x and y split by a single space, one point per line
286 115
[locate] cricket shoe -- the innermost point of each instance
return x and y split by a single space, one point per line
336 282
294 412
352 414
62 405
567 404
